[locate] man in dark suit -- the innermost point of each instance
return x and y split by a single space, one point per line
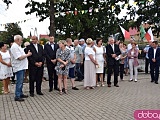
36 62
113 52
154 59
50 50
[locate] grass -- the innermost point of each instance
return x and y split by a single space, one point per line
1 87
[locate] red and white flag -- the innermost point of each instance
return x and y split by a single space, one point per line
149 35
126 34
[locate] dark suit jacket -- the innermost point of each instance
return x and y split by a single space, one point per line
36 56
151 55
109 51
50 54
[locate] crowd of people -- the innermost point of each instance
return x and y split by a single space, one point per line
79 60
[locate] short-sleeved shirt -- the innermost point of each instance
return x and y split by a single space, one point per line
16 52
78 52
83 47
72 52
89 51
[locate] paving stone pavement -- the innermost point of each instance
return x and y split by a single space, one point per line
101 103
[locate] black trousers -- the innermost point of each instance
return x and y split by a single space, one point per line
121 70
146 65
52 76
154 71
35 75
111 69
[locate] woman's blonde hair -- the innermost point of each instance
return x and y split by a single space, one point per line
89 41
63 42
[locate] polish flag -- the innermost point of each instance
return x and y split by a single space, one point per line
149 35
126 34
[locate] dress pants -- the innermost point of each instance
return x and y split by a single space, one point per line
121 69
132 69
146 65
35 75
52 75
154 71
111 69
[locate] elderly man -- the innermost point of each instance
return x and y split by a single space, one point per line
112 51
71 63
50 50
19 64
79 60
83 45
36 62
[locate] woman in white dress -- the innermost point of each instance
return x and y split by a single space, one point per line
89 66
5 66
100 59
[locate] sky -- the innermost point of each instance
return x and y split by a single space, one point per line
16 12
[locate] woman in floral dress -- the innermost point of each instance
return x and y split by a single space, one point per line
62 68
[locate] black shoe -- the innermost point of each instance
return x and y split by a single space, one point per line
63 90
77 79
32 95
56 89
24 96
116 85
74 88
19 99
156 82
152 80
40 93
50 90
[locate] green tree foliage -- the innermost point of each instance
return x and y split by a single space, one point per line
80 18
147 10
11 30
7 2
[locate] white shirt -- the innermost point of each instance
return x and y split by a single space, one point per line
16 52
112 47
89 51
155 52
35 45
52 45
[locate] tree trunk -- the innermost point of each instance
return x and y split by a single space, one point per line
52 25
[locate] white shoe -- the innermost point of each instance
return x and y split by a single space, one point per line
135 80
97 85
102 85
